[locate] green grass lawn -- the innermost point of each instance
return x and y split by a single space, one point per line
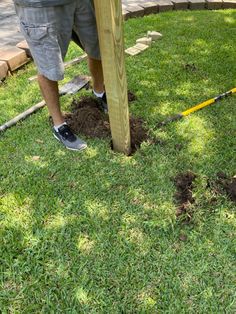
96 232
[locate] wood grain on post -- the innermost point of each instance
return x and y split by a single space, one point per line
110 29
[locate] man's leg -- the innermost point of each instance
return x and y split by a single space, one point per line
47 31
95 67
61 130
85 29
49 90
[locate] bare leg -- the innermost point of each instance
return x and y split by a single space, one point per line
49 90
50 93
95 67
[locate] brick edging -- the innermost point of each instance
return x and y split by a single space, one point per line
143 8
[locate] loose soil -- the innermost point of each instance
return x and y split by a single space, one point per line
184 198
131 96
225 184
88 119
190 67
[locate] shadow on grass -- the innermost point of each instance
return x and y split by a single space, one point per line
97 232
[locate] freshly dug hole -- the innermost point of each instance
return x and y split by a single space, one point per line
86 118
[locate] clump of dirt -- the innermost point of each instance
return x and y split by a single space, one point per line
184 197
231 189
183 237
179 147
190 67
86 118
226 184
131 96
138 133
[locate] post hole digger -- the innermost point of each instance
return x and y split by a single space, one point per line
197 107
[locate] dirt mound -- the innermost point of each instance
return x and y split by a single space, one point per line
131 96
227 184
184 183
87 118
231 189
190 67
183 196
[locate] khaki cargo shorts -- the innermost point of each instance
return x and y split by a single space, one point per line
48 32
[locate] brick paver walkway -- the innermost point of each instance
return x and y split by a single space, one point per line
9 30
10 35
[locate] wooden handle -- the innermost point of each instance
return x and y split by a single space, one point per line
22 116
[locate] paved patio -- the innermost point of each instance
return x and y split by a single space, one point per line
9 30
10 34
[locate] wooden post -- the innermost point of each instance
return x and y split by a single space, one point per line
111 39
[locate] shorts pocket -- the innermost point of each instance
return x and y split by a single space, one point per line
34 32
44 46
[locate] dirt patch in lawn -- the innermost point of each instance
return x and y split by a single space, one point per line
88 119
184 198
131 96
191 67
224 184
231 189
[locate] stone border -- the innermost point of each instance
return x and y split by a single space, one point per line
141 8
130 9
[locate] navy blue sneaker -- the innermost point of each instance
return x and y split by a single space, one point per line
68 138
